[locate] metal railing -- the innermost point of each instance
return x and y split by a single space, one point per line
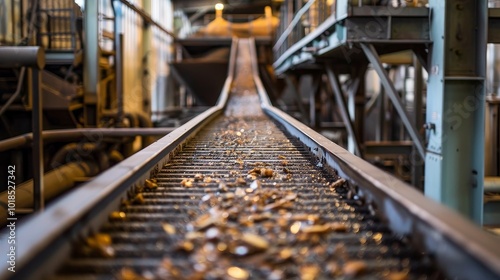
296 22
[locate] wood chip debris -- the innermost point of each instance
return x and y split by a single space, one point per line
117 216
354 268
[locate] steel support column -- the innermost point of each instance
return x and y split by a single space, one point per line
356 104
341 103
417 162
91 63
119 67
380 132
146 61
374 59
454 163
296 94
492 126
37 148
316 81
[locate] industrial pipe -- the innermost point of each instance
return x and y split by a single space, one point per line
14 57
68 135
145 122
78 152
55 181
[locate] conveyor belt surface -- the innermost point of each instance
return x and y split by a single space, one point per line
242 199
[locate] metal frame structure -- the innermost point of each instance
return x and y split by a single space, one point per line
56 94
31 57
461 249
91 56
340 40
434 227
86 208
440 37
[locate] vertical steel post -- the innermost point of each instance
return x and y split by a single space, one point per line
316 81
298 97
492 127
454 162
37 149
91 63
380 130
146 63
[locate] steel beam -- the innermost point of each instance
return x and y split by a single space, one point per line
13 57
316 81
339 99
417 162
492 126
147 39
385 148
454 163
374 59
296 94
91 63
356 103
119 63
492 214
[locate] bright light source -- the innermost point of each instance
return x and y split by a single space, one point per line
219 6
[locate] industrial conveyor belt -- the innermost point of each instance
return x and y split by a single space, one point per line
244 197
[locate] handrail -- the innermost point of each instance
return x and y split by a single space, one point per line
292 24
146 17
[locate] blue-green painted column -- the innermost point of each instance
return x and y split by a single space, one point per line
454 163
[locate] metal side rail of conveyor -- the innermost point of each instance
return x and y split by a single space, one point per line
244 191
